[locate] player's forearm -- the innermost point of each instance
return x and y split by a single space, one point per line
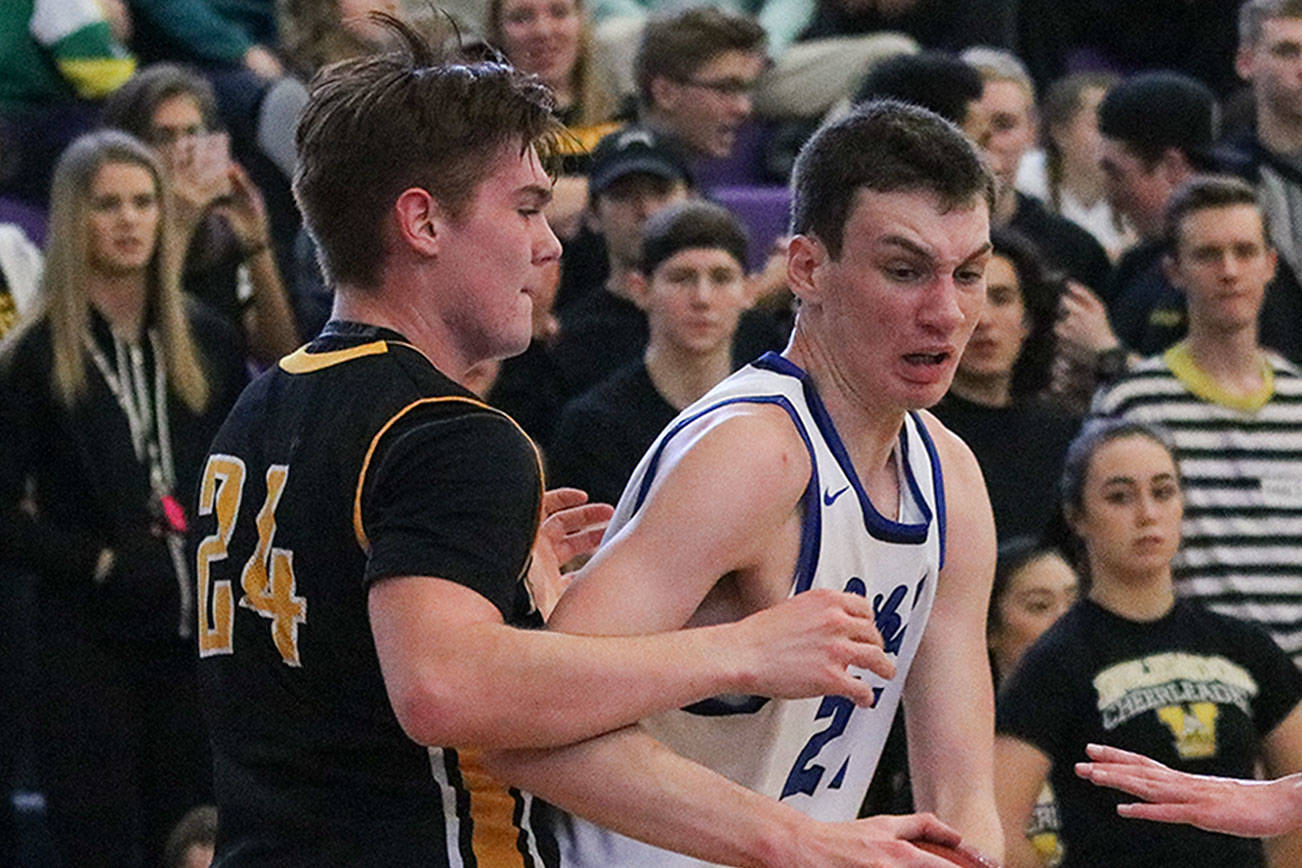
951 742
503 687
630 783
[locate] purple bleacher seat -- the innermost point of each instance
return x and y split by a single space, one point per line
764 209
27 217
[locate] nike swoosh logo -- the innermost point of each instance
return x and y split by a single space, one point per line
829 499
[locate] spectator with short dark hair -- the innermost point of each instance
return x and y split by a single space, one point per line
696 73
1234 410
691 284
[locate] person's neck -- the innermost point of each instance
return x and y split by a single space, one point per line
1278 135
867 428
682 377
429 334
1144 599
995 390
120 298
617 283
1231 358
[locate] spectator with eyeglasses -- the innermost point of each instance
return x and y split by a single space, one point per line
696 74
229 262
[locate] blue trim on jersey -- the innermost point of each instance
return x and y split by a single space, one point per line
937 483
878 525
811 528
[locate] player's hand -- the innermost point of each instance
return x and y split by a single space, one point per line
571 528
1252 809
802 646
878 842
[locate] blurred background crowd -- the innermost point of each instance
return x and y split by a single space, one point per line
1131 391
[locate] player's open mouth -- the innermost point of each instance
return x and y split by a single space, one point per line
926 358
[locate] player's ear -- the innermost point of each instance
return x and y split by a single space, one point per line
806 255
420 221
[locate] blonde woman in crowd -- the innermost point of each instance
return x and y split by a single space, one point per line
109 395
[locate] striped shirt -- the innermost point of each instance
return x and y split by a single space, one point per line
1241 459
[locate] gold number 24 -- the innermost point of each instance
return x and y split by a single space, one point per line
268 577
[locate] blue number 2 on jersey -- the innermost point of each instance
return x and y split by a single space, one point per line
806 774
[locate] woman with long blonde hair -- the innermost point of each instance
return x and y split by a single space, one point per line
109 395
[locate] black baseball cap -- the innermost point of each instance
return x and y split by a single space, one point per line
1157 110
634 150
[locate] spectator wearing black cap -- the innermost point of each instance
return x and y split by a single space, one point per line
635 172
1158 129
691 284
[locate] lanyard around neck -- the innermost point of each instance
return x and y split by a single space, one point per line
147 419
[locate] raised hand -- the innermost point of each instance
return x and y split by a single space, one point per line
1251 809
571 528
802 646
243 208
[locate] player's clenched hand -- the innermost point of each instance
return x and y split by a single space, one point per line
1256 809
571 527
877 842
802 646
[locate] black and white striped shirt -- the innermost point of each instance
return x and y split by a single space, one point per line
1241 459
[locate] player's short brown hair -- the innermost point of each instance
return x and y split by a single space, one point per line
676 47
377 125
886 147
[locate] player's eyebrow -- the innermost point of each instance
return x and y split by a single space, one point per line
909 245
980 251
535 194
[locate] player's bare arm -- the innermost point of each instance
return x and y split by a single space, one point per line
674 803
704 504
949 699
456 675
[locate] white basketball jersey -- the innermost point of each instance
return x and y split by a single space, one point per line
817 755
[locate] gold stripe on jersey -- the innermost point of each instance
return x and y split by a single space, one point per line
302 362
358 529
492 813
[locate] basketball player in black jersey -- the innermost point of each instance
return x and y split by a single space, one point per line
365 525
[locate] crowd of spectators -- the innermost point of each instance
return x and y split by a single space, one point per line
1147 246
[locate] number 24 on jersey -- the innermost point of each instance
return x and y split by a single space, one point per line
268 576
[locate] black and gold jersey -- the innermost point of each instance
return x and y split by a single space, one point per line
352 461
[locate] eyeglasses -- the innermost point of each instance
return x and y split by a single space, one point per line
162 136
726 87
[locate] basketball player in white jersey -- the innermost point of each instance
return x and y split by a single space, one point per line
817 468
